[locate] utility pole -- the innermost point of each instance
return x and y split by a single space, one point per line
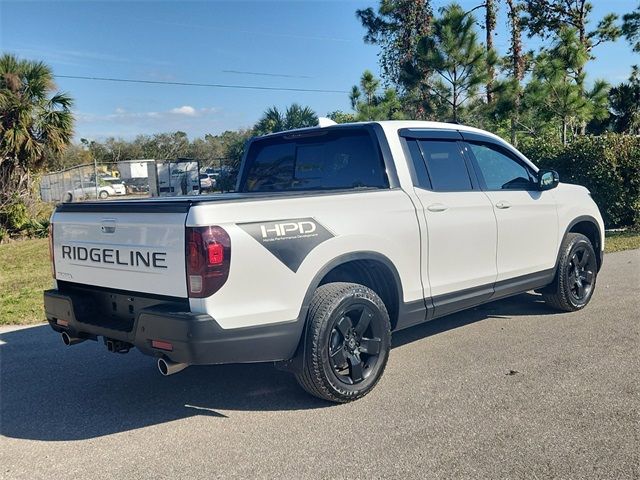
95 174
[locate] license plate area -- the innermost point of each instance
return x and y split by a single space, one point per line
113 309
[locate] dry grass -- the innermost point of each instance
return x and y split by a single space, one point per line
618 241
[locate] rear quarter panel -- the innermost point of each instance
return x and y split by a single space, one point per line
261 289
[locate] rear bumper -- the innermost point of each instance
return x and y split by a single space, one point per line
196 338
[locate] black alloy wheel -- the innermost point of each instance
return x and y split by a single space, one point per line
346 343
354 343
576 275
580 274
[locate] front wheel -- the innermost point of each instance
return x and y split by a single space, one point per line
347 342
576 275
103 194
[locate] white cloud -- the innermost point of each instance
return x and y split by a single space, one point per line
123 114
186 110
126 123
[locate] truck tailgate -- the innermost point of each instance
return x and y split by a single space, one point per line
135 251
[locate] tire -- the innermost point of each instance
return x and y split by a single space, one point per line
576 274
68 197
347 342
103 194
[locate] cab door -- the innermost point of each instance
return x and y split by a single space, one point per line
527 218
461 227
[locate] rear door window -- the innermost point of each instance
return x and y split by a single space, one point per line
446 165
326 160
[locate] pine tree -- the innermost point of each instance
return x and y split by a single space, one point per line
396 27
490 26
556 91
370 105
458 60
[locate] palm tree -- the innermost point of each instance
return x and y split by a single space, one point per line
369 84
296 116
354 96
272 120
34 120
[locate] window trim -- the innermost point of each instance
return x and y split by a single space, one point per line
494 145
411 163
430 134
435 134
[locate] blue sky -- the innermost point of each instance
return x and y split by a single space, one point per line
299 44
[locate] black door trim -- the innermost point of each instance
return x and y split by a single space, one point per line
449 303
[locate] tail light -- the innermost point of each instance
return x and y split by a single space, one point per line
208 258
51 257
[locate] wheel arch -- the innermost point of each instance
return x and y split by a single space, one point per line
589 227
372 269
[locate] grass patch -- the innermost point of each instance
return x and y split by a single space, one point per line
24 274
618 241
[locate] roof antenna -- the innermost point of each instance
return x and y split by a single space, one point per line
325 122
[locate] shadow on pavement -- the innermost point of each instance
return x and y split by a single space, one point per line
51 392
523 304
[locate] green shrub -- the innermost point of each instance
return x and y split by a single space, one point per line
608 165
24 217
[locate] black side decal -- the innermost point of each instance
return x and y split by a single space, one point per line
290 241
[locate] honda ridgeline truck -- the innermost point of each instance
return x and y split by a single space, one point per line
336 237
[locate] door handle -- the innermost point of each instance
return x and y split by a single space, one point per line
502 204
437 207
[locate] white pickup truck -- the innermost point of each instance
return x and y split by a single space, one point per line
336 237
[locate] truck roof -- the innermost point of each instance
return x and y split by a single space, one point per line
396 125
392 126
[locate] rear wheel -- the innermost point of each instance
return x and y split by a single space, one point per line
575 279
347 342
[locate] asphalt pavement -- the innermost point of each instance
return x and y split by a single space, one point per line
511 390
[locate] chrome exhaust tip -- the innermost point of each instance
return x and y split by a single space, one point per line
68 340
167 367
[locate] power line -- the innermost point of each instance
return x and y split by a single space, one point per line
190 84
264 74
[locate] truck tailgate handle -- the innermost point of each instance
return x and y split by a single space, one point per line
437 207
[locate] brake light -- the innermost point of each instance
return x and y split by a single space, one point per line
208 251
216 253
51 256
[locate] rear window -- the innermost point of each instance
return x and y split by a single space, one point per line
329 160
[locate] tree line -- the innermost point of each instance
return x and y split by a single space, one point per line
434 65
438 66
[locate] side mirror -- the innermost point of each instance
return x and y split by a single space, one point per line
548 179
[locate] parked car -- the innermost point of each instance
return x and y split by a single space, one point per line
85 190
214 180
206 184
337 237
117 184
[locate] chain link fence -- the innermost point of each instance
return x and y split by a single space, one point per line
135 179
